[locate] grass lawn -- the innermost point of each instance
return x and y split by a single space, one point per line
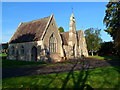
19 64
107 57
94 78
3 55
26 64
107 77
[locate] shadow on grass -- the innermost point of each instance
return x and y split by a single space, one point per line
83 79
11 68
47 86
111 58
80 80
6 63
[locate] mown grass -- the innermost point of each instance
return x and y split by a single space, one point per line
26 64
93 78
20 64
3 55
107 57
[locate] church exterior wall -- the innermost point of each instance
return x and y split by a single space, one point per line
26 56
75 47
52 29
82 45
66 50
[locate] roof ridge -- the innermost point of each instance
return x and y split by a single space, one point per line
68 31
35 20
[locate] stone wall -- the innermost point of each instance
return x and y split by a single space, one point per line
27 50
82 44
72 41
52 29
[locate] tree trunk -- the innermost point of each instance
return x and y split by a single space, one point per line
92 53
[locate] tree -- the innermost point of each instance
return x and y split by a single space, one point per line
107 48
93 39
112 22
4 47
61 29
112 18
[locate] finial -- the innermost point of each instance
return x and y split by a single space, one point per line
72 9
52 14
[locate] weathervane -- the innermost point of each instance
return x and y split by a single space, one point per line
72 9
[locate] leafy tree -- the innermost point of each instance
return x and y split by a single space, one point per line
61 29
112 18
93 39
112 21
107 48
4 48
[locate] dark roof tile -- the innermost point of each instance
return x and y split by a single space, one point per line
65 37
30 31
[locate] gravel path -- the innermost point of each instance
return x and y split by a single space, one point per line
88 63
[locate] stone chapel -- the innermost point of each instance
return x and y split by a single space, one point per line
40 40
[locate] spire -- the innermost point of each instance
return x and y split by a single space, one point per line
72 17
72 23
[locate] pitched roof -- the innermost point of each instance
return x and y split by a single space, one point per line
30 31
65 36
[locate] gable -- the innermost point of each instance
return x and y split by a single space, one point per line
30 31
51 29
65 37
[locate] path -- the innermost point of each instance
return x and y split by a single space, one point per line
88 63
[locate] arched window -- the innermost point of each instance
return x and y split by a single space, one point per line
22 50
12 50
52 44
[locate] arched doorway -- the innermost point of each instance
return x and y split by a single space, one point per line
34 54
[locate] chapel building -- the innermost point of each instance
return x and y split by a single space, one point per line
40 40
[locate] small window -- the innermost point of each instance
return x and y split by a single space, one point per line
22 50
12 50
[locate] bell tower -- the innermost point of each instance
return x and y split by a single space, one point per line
72 41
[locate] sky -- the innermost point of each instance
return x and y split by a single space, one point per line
87 15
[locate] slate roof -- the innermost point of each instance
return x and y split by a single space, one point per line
65 36
30 31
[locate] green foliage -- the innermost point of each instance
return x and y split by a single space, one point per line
5 46
106 57
92 78
107 48
93 39
61 29
112 21
112 18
